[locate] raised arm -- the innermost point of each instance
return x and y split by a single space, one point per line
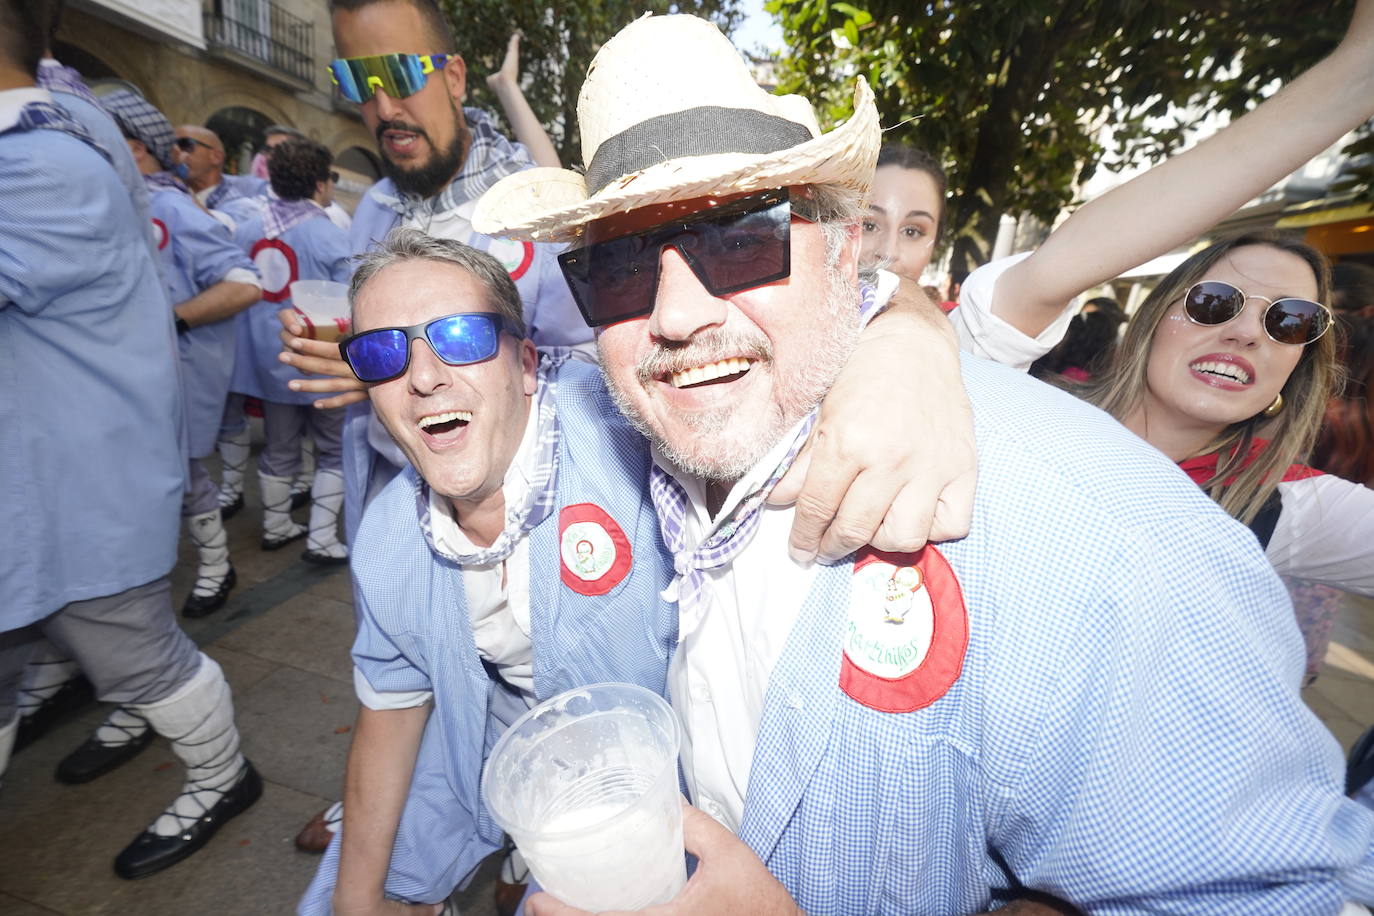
531 134
1184 196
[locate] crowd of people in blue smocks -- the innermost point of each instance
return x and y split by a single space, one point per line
137 211
112 218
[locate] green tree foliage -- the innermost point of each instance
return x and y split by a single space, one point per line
560 39
1013 94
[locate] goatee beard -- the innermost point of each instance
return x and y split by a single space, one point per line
429 179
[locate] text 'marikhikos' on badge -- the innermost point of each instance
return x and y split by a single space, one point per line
907 630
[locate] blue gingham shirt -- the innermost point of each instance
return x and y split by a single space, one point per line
1126 733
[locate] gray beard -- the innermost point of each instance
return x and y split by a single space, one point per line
727 462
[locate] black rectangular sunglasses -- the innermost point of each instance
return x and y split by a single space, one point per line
729 248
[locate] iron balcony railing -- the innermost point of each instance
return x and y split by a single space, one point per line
264 31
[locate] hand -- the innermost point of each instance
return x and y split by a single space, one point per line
508 77
891 461
318 357
729 879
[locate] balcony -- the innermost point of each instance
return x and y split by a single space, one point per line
264 33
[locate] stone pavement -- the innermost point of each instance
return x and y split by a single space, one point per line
283 642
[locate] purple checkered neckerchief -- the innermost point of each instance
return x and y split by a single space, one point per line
166 181
55 77
543 493
491 157
282 215
730 537
48 116
223 193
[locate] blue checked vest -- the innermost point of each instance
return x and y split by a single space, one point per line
623 635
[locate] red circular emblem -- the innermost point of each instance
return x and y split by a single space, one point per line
595 555
277 266
908 630
160 234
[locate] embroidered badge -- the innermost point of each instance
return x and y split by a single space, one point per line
160 235
276 263
907 632
596 555
515 256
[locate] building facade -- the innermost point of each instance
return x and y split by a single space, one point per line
235 66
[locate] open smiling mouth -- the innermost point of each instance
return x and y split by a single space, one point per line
725 370
1229 371
440 423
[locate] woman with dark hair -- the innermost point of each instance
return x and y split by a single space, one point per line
1089 344
1345 446
906 210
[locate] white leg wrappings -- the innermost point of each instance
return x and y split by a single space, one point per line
7 733
233 456
212 546
45 674
276 508
326 505
199 721
121 727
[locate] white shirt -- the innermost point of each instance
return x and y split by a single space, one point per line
724 659
984 334
455 224
498 596
1325 533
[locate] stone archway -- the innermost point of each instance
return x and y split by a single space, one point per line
240 129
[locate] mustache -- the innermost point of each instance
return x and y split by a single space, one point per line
709 346
400 125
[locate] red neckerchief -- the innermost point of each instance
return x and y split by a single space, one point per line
1204 467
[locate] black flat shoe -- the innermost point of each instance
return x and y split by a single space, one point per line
278 543
149 853
93 759
70 697
323 559
200 605
229 510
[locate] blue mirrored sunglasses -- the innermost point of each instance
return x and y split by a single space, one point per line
398 75
382 354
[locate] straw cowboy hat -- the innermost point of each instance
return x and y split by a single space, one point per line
669 112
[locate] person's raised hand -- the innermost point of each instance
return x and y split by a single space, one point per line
317 357
508 77
729 878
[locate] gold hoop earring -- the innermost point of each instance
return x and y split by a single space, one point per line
1275 408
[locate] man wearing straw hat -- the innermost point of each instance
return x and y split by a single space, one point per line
1090 696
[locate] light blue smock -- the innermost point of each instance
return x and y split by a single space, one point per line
91 462
198 252
415 634
320 250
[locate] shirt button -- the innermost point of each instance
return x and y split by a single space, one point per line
700 692
713 809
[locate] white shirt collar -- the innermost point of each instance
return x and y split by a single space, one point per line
451 539
12 101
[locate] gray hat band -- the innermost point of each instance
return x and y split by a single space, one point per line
705 131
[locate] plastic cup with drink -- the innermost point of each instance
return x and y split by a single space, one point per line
323 307
586 785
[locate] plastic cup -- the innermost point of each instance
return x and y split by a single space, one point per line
324 306
586 785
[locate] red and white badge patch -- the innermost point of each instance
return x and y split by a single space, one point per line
596 555
160 234
276 263
908 630
515 256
